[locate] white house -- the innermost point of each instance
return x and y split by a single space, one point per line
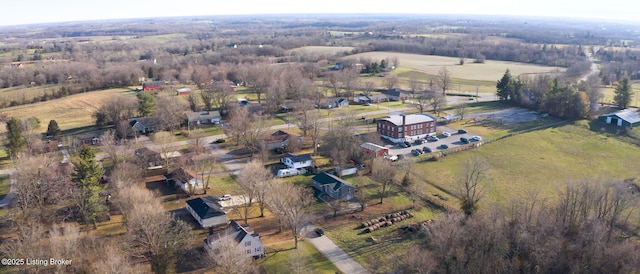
186 179
248 243
206 211
297 161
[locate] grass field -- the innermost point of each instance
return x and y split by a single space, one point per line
321 50
70 112
429 64
542 161
306 254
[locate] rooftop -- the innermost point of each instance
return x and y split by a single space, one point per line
298 158
206 207
409 119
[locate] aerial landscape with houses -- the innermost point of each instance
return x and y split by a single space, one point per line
346 144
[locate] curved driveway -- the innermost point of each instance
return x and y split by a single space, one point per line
334 253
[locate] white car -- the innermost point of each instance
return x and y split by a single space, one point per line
446 134
225 197
476 138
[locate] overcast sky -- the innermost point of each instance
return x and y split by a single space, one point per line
18 12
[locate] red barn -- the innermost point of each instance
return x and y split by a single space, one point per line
152 85
374 150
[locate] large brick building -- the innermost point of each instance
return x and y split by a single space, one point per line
399 128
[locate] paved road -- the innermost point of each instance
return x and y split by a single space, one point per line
9 197
335 254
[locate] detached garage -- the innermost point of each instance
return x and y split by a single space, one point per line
623 118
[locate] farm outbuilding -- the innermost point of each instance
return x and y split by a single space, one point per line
623 118
374 150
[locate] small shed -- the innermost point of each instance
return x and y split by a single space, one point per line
623 118
183 91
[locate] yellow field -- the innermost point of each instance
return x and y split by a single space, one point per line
430 64
70 112
321 50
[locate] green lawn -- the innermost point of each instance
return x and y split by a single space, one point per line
541 161
279 261
5 185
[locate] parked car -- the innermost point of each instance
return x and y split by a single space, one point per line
402 145
443 146
225 197
219 141
426 150
464 140
476 138
446 134
407 143
419 142
462 131
319 231
433 139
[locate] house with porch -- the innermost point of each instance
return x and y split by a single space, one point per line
203 117
144 125
297 161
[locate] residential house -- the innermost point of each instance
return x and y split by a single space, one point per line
144 125
185 179
623 118
397 94
246 242
280 140
336 102
374 98
333 186
374 150
207 211
297 161
203 117
399 127
88 139
149 158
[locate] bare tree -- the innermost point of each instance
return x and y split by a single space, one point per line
254 181
239 122
436 100
414 85
306 116
444 79
368 87
192 100
422 100
198 140
470 188
152 233
164 142
461 109
298 262
115 109
169 111
349 80
390 81
291 203
229 257
384 174
217 95
260 78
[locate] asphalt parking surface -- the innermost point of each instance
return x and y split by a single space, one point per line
452 141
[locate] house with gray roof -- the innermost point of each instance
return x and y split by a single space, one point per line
333 186
623 118
248 243
207 211
203 117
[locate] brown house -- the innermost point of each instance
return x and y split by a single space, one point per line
279 140
400 128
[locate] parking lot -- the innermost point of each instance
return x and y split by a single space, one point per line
451 141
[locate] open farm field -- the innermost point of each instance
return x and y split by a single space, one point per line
540 161
24 95
322 50
609 93
430 64
70 112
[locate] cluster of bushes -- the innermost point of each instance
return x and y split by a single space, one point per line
384 221
415 227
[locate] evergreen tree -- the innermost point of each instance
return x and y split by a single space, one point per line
53 129
622 97
146 103
86 174
504 86
14 135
